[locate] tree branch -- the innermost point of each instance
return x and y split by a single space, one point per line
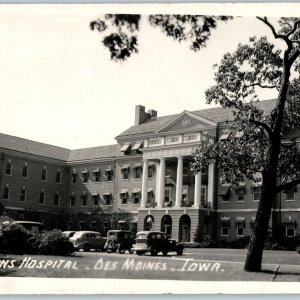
261 86
287 186
295 27
276 35
264 126
294 56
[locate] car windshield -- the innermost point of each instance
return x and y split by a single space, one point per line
77 234
142 235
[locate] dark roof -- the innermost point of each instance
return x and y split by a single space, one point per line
216 114
31 147
94 153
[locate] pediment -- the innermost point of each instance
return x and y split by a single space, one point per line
186 121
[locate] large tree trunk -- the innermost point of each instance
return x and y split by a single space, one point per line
261 225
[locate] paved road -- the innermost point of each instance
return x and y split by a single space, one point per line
194 264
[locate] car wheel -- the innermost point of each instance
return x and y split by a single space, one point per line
138 252
110 246
87 248
179 251
153 251
121 250
130 251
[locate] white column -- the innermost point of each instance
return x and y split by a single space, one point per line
145 183
161 183
198 185
211 183
179 181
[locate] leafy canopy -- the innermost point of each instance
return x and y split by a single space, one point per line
123 30
256 65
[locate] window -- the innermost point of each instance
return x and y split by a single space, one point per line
203 194
8 170
150 171
81 225
240 226
125 172
106 225
70 226
108 174
44 174
93 225
124 198
6 193
167 195
168 169
83 200
56 199
256 193
241 194
58 177
23 194
25 171
290 194
137 172
136 197
96 174
290 229
95 198
85 176
74 178
107 198
225 228
72 200
42 197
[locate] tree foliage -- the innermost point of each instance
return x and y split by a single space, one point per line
244 153
122 31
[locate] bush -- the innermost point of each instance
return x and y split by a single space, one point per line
13 238
51 243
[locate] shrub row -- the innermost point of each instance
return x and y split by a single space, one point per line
15 239
271 243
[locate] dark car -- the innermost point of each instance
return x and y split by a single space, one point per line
155 242
119 240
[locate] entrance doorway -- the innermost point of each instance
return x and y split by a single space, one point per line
166 225
184 228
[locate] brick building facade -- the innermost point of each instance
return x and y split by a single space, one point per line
143 182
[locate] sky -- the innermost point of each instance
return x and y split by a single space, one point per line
60 87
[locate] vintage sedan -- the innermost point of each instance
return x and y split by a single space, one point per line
87 240
155 242
119 240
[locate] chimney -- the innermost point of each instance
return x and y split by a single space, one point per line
141 115
152 113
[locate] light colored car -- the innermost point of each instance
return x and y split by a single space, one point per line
87 240
68 234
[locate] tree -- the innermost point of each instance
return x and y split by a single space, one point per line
256 143
122 41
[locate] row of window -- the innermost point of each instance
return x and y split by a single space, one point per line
290 228
108 174
23 196
24 172
256 194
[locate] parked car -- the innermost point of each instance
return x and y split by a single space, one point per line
68 234
87 240
29 225
119 240
155 242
